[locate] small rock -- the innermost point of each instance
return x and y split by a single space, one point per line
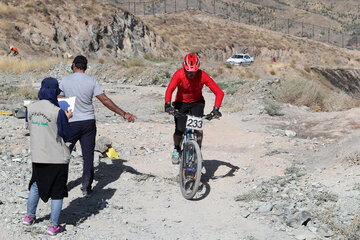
83 226
300 237
290 133
267 207
23 195
245 213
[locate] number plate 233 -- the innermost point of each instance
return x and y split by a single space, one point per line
195 123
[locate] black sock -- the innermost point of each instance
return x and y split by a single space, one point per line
177 147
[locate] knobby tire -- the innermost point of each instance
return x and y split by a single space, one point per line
189 181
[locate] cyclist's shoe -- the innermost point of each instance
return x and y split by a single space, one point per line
175 158
28 220
203 170
53 230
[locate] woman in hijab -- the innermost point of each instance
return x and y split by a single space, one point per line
50 155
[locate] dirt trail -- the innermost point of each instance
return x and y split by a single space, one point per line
138 196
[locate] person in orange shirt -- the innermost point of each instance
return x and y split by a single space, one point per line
13 51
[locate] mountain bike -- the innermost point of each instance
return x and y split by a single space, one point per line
191 158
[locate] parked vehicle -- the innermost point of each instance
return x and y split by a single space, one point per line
240 59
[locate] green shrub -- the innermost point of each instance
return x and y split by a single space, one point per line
272 107
231 87
152 58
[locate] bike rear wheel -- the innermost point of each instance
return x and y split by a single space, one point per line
190 169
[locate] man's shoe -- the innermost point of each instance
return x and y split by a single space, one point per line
175 158
55 230
86 192
28 220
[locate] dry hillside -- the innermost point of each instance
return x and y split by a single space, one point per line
105 32
342 16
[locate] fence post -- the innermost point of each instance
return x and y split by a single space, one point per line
239 14
302 29
328 35
214 7
134 8
249 18
342 40
288 26
175 6
165 6
313 32
275 23
187 5
356 37
144 9
153 3
227 10
199 5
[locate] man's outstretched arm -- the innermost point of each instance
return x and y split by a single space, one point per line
113 107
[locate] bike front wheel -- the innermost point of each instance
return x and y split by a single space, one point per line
190 169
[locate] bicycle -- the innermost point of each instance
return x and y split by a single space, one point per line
191 158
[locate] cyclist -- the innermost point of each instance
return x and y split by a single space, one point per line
13 51
189 82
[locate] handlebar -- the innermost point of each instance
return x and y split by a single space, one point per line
208 117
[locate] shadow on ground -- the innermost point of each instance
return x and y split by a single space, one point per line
211 166
81 208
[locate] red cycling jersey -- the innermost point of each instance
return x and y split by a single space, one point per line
190 90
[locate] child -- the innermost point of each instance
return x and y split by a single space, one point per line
49 130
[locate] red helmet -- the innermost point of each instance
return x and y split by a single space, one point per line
191 62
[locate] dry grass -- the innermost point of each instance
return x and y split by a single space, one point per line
18 66
131 63
7 10
23 91
309 93
5 25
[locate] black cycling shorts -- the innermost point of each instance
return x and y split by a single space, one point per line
196 109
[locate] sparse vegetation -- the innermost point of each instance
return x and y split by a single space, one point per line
231 87
294 171
21 92
151 57
322 197
132 63
251 196
143 177
7 10
18 66
352 232
356 186
303 92
272 107
275 152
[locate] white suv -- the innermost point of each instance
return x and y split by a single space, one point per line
240 59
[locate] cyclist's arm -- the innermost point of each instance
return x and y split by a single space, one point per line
171 87
215 89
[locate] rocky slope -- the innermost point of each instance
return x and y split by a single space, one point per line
63 29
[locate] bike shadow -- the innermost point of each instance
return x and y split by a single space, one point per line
211 166
81 208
